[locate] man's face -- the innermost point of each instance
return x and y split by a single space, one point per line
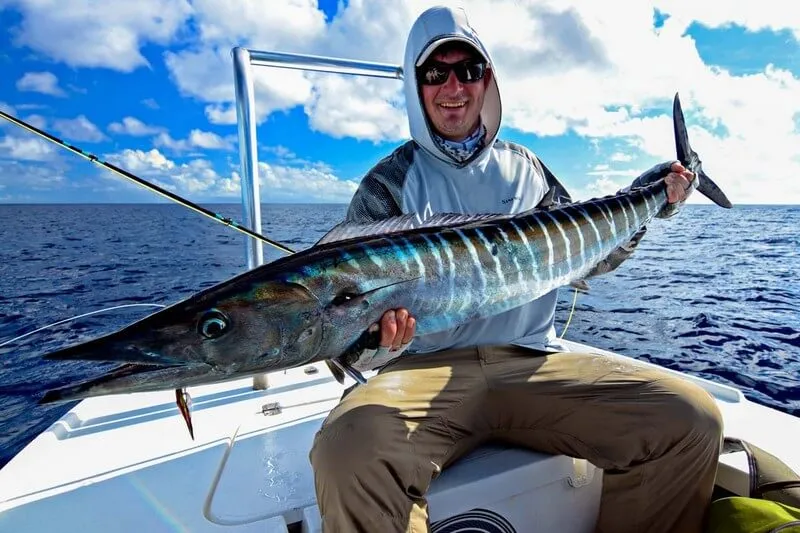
454 108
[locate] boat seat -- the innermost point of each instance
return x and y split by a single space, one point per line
494 482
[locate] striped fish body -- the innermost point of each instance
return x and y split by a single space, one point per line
453 274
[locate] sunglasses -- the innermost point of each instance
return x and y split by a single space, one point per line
436 73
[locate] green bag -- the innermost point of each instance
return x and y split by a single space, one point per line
773 502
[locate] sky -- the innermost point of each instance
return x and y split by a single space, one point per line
586 85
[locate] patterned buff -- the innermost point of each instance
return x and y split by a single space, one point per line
463 150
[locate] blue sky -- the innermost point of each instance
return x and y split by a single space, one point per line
149 87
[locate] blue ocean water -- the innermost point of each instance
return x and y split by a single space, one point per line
712 292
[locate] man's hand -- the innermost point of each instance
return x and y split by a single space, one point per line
397 330
679 183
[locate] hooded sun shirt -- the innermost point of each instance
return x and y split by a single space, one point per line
425 176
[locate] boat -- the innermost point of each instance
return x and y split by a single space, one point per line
125 463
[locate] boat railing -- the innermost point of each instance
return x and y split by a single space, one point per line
244 60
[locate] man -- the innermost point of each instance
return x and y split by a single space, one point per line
506 377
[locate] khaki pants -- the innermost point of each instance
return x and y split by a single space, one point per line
656 436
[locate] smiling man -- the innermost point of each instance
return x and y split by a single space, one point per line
506 377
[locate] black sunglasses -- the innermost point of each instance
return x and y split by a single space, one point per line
436 73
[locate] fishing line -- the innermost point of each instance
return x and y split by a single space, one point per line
76 317
155 188
569 319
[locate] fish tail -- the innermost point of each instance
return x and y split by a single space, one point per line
691 160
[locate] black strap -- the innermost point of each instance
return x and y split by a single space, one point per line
773 486
768 474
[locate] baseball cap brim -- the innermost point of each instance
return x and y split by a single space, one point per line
426 53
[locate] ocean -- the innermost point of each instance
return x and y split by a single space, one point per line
711 292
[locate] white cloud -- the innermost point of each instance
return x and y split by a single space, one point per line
209 140
79 128
308 183
598 188
369 111
193 178
23 146
754 16
85 33
37 121
142 162
151 103
197 178
133 126
620 157
197 139
40 82
222 25
361 108
197 74
29 177
26 148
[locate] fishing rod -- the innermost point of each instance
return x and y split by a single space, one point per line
144 183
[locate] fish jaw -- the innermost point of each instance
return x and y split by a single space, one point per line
133 377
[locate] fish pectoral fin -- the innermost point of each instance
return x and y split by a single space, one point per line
349 370
337 372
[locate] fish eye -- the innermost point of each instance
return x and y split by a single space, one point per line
213 324
344 298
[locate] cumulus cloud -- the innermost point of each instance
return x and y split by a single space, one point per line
84 33
25 148
764 15
197 178
133 126
79 128
23 177
141 161
197 139
307 183
206 74
22 147
361 108
40 82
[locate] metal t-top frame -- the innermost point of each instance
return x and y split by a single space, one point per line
243 61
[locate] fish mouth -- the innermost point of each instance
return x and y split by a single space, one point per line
141 342
106 349
133 377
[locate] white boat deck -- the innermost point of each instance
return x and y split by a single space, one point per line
126 463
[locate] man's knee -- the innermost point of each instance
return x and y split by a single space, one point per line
690 412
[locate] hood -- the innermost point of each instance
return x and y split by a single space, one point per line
434 27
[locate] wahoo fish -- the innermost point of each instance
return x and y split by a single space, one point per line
317 304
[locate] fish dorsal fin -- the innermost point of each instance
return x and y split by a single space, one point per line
351 230
548 202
